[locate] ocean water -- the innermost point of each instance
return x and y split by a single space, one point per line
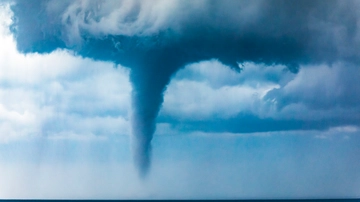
188 166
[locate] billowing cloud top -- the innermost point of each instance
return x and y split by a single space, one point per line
268 31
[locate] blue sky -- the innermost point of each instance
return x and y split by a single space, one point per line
74 93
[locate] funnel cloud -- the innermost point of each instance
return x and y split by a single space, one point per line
157 38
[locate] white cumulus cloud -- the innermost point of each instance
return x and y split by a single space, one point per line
59 93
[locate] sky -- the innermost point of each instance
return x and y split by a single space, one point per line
199 99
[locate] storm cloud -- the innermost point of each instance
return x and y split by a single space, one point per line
155 39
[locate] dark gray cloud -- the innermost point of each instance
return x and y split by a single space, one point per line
158 38
250 123
270 31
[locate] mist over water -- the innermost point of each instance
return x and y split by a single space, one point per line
277 166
